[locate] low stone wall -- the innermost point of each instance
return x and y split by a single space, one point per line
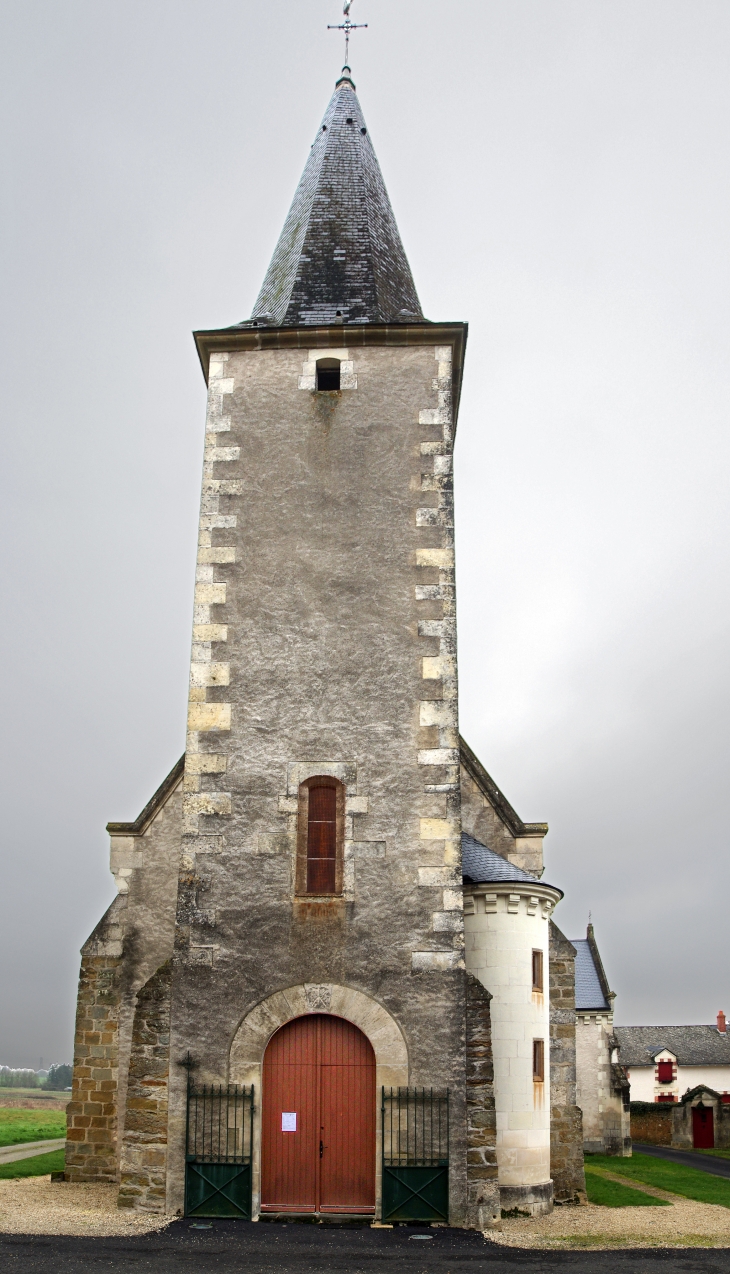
651 1122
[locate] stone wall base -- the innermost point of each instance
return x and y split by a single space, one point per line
536 1200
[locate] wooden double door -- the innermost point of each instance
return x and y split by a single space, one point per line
318 1118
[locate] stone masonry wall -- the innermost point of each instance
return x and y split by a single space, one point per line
652 1123
144 1144
483 1204
606 1122
566 1123
92 1112
324 643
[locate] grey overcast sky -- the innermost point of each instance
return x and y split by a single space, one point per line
559 172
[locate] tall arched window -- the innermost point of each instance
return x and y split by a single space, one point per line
320 836
328 373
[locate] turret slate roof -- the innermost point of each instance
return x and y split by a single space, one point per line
589 994
481 865
691 1045
340 256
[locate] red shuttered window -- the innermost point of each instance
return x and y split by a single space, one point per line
665 1075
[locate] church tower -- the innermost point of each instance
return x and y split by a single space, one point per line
320 862
278 1014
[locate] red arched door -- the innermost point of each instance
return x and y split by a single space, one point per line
318 1118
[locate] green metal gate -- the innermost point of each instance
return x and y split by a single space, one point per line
219 1147
415 1129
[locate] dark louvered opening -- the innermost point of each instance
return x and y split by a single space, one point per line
328 374
322 840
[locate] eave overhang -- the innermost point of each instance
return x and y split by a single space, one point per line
229 339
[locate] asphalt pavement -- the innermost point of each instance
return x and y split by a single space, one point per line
706 1163
274 1248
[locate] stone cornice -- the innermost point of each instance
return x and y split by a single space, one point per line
337 335
515 888
161 796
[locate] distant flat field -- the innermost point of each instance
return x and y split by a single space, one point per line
18 1125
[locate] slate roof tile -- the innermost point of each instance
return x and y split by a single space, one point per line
339 257
589 996
691 1045
481 864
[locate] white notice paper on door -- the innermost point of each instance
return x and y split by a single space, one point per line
288 1121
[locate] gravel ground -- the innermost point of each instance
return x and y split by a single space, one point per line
35 1205
684 1224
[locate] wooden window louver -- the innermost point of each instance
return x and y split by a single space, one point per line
320 838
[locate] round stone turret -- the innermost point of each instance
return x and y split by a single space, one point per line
506 917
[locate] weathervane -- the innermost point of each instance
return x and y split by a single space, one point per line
347 26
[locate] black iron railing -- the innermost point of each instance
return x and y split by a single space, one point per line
415 1125
415 1133
219 1123
218 1149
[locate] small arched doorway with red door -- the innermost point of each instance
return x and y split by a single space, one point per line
318 1120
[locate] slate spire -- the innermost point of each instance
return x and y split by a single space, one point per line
339 258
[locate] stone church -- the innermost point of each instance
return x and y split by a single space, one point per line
329 984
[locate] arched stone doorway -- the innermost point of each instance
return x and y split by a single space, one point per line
248 1046
318 1118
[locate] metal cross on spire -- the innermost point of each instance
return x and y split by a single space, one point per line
347 26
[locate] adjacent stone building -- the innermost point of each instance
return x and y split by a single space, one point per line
602 1082
331 929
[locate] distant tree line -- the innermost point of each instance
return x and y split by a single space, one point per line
57 1079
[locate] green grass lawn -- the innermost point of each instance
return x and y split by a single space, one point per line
612 1195
17 1126
691 1183
38 1166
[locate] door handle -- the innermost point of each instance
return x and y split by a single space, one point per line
321 1149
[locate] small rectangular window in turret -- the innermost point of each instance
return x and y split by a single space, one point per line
328 374
538 1060
537 975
